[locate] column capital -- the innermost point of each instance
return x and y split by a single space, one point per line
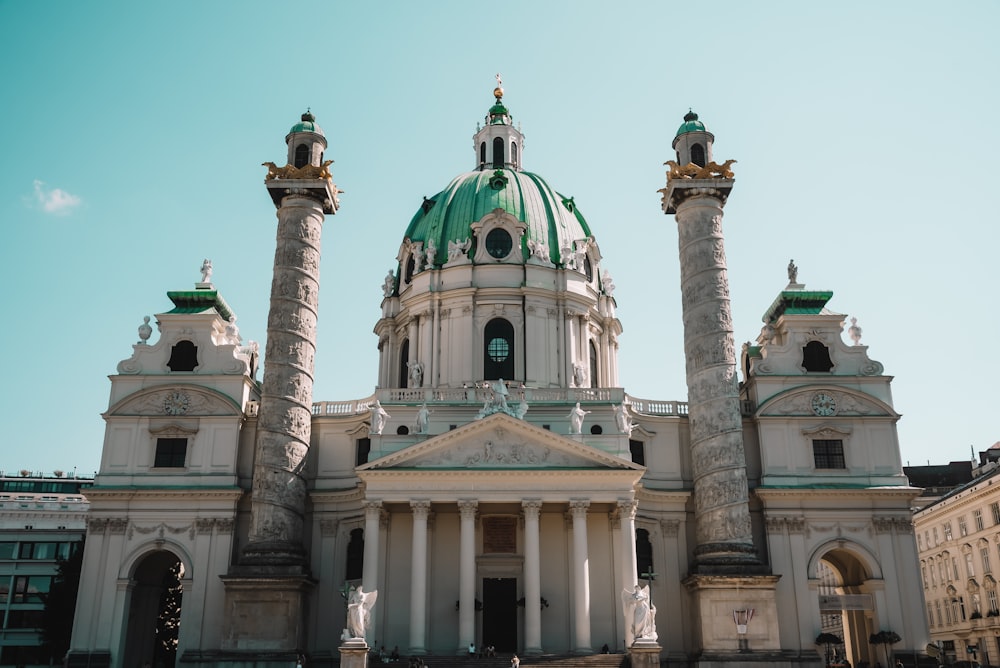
467 508
372 507
420 507
627 508
531 507
578 507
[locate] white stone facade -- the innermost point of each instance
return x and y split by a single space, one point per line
492 518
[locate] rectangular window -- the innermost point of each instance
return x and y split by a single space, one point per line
969 566
954 568
984 552
829 453
30 588
991 599
977 517
4 590
963 530
937 612
8 550
363 449
947 530
638 451
170 453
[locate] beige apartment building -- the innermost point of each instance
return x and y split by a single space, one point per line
958 538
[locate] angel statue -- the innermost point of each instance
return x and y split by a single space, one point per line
359 608
640 615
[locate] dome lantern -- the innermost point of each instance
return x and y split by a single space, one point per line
498 144
306 142
693 142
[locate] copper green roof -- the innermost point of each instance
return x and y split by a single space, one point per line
550 217
797 302
498 112
199 301
307 124
691 124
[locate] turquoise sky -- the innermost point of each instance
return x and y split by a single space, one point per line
132 135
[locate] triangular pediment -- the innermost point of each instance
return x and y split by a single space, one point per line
500 442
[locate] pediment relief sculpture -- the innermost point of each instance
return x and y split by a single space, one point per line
175 401
825 402
500 442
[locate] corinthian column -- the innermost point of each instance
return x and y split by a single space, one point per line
467 575
418 578
581 576
532 578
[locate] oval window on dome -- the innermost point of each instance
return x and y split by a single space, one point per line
499 243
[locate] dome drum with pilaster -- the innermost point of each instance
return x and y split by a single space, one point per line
498 249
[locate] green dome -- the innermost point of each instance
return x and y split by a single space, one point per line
448 216
691 124
307 124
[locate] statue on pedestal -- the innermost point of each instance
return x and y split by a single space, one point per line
640 614
576 419
359 607
378 417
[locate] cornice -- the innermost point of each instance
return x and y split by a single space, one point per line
107 493
837 493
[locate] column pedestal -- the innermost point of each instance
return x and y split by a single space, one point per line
354 654
265 613
645 654
717 641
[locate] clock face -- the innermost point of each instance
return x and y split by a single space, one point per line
823 405
176 403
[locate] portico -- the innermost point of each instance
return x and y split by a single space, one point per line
520 502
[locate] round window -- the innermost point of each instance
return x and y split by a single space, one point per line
498 349
499 243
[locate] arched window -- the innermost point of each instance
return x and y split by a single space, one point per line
301 155
643 553
498 153
183 356
513 154
588 269
355 555
698 154
816 357
411 266
498 354
593 365
404 357
482 153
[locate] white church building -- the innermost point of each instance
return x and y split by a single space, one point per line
499 487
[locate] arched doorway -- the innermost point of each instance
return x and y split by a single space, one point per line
847 607
154 611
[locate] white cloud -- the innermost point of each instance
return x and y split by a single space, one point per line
55 200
